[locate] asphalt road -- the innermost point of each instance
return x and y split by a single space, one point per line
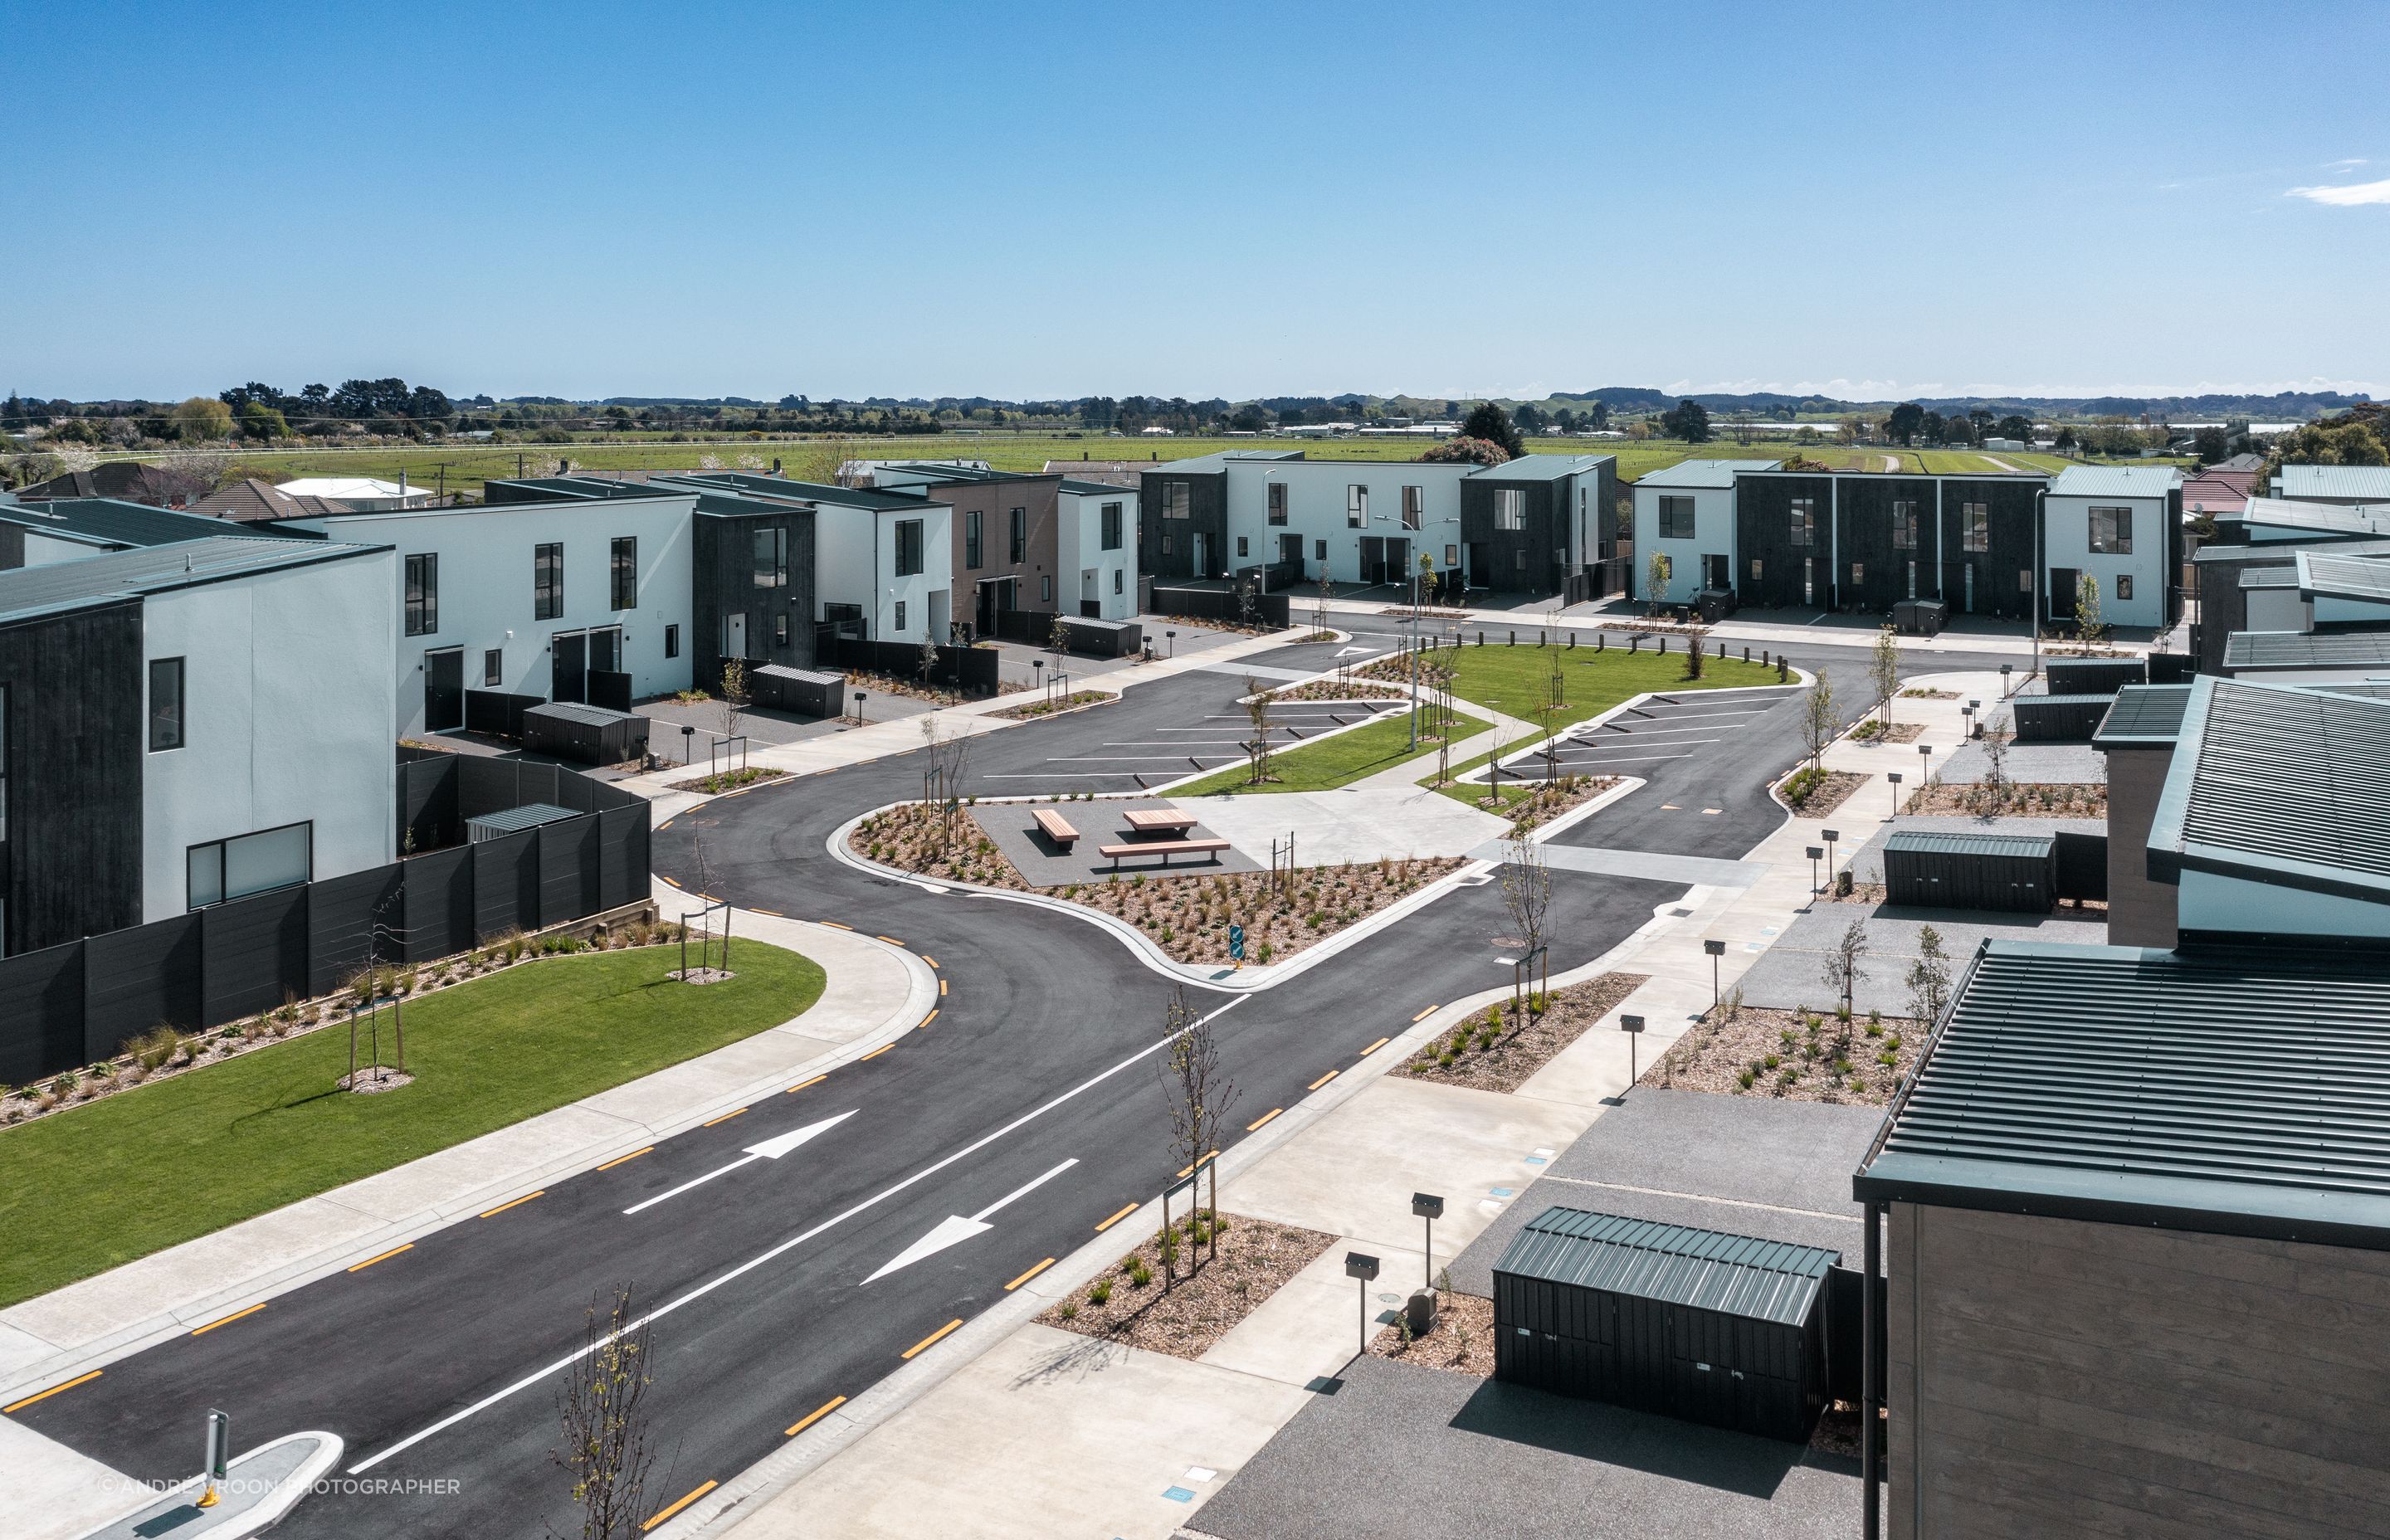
1031 1105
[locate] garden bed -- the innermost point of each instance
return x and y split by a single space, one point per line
1256 1258
1728 1052
1461 1342
1814 793
1531 804
1070 703
2019 799
1919 692
1873 731
1344 688
728 780
1505 1057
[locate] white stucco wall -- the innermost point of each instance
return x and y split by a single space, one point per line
1712 535
41 549
855 562
1315 504
1079 546
2066 542
287 718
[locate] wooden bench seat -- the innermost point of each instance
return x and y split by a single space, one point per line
1159 820
1058 829
1165 849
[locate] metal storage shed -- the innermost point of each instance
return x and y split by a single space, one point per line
1921 617
514 820
2012 872
809 692
592 735
2095 675
1101 638
1717 1328
2059 718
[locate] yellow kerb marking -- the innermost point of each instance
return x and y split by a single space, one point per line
1257 1122
503 1207
1116 1218
1375 1046
834 925
833 1404
876 1052
620 1159
1420 1017
1027 1276
933 1337
1323 1080
45 1395
667 1513
228 1320
889 940
725 1118
1190 1170
384 1257
802 1083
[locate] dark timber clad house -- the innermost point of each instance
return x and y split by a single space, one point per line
1182 517
1525 522
1850 541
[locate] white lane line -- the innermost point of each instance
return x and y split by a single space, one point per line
1141 1057
1633 759
1141 759
1024 1189
955 1229
1074 775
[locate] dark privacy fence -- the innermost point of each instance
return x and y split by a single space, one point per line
1098 639
1217 604
72 1004
968 669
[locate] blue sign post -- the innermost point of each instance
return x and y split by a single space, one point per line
1236 943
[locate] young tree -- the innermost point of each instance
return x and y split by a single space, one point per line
1994 788
1821 724
949 755
732 704
1527 894
1319 605
1655 581
1841 966
1696 663
1200 1099
601 1405
1257 705
926 662
2089 630
1883 672
1929 979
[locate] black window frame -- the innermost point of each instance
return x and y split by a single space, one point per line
1414 505
972 549
170 727
1904 526
2124 587
768 554
1678 518
1177 499
1109 518
908 553
494 667
623 567
1277 514
671 641
1511 510
218 846
547 581
1018 537
1357 504
2118 540
1975 528
422 589
1802 530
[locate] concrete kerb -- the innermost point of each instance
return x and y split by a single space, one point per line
243 1511
720 1509
921 997
1802 679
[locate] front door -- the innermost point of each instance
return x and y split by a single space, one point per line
1202 555
2062 584
444 689
1398 560
568 666
1373 558
734 634
1715 573
1091 593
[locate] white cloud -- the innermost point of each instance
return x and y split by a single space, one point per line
2345 195
2349 164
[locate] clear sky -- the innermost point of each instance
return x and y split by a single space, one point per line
1194 200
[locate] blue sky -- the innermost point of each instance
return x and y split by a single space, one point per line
1025 200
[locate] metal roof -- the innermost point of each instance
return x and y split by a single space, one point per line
751 484
529 816
2280 784
1093 489
2286 575
574 710
2143 716
2319 518
2368 482
1539 467
2343 577
2115 481
2241 1093
2022 698
117 575
106 521
801 675
1959 843
1763 1280
2255 651
1702 473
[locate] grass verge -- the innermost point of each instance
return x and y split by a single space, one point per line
1335 762
99 1186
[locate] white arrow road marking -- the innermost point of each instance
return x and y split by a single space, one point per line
955 1228
770 1149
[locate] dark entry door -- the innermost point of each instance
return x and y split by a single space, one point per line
1398 561
2063 581
1715 572
444 689
569 666
1373 558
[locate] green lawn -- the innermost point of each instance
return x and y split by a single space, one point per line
90 1188
1339 761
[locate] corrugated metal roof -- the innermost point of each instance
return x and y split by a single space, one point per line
2280 784
1764 1280
106 521
2023 700
2370 482
1702 473
115 575
2143 714
2322 519
2115 481
574 710
2236 1092
1539 467
2249 651
2283 576
1959 843
529 816
802 675
1093 489
2343 577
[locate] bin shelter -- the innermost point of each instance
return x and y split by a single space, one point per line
2012 873
514 820
2094 676
1921 617
1724 1329
1102 638
2059 718
807 692
591 734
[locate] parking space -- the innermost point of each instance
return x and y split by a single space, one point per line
1145 752
1642 739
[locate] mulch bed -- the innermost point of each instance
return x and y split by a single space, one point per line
1549 800
1827 795
1916 692
728 780
1505 1062
1052 708
2020 801
1256 1257
1898 732
1728 1054
1338 689
1461 1342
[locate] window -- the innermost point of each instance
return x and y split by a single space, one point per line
771 546
626 572
900 614
1904 526
165 703
1676 518
1320 550
1451 558
1859 572
1356 507
671 641
1754 569
1278 502
2123 587
1804 530
1509 508
1165 545
1111 537
2112 530
2024 580
1975 527
548 582
1242 547
1173 499
1046 588
221 870
1523 561
422 595
1116 580
1019 533
1414 506
908 550
494 667
971 540
1912 579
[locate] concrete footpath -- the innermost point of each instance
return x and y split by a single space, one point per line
873 993
1030 1432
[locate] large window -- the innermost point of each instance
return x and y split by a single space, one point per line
1509 508
1357 505
422 595
2112 530
548 582
1278 502
1019 542
971 559
221 870
1112 518
626 572
1802 530
1975 526
908 550
1414 506
165 703
1173 499
771 557
1904 526
1676 518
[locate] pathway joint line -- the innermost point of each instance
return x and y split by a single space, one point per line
932 1339
503 1207
1116 1219
228 1320
725 1118
620 1159
833 1404
395 1249
1263 1118
1375 1046
45 1395
1323 1080
1027 1276
802 1083
665 1513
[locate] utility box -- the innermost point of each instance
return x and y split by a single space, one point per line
807 692
1716 1329
2094 676
2059 718
1713 604
1921 617
1102 638
591 734
2010 873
